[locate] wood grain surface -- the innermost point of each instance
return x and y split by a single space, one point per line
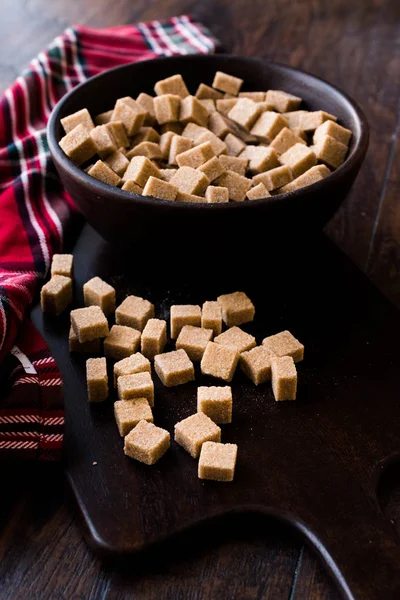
355 46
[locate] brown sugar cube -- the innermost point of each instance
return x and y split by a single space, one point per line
146 134
78 144
217 145
268 125
313 119
167 174
261 158
257 192
121 342
193 131
194 341
212 169
237 185
217 461
93 347
89 323
209 105
282 101
129 113
174 127
102 172
81 117
245 112
216 194
103 140
219 361
184 314
234 144
218 125
284 378
97 292
118 133
167 108
234 163
216 403
117 162
227 83
237 308
56 295
131 186
137 385
274 178
137 363
285 140
154 338
294 118
192 111
97 379
165 143
255 96
311 176
224 106
299 132
159 189
184 197
192 432
103 118
237 339
128 413
284 344
62 264
190 181
330 151
149 149
298 158
140 169
341 134
146 443
172 85
146 104
256 364
178 145
174 368
195 157
134 312
205 92
211 316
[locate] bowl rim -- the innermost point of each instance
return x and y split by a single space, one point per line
122 196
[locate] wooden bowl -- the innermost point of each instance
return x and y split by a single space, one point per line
133 220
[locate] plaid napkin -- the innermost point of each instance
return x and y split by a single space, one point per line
35 211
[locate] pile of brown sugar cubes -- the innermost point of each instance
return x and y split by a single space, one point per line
138 339
219 145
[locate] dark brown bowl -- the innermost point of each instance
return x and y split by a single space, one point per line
129 219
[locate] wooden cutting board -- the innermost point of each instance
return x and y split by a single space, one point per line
314 463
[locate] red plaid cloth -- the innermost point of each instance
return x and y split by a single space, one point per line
35 211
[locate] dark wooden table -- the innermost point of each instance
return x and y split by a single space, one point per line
353 44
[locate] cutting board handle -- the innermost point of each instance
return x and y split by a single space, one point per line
360 548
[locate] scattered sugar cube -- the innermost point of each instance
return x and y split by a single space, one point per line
211 316
56 295
136 363
257 192
103 141
298 158
311 176
154 338
268 125
89 323
212 169
128 413
219 361
237 308
78 145
194 341
81 117
237 339
227 83
282 101
284 344
167 108
245 112
140 169
97 379
195 157
284 378
62 264
174 368
159 189
192 432
172 85
216 403
205 92
192 111
237 185
217 461
256 364
137 385
184 314
101 171
97 292
190 181
216 194
134 312
274 178
121 342
146 443
93 347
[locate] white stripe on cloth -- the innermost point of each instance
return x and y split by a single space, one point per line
197 32
19 445
151 39
185 33
171 46
70 33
